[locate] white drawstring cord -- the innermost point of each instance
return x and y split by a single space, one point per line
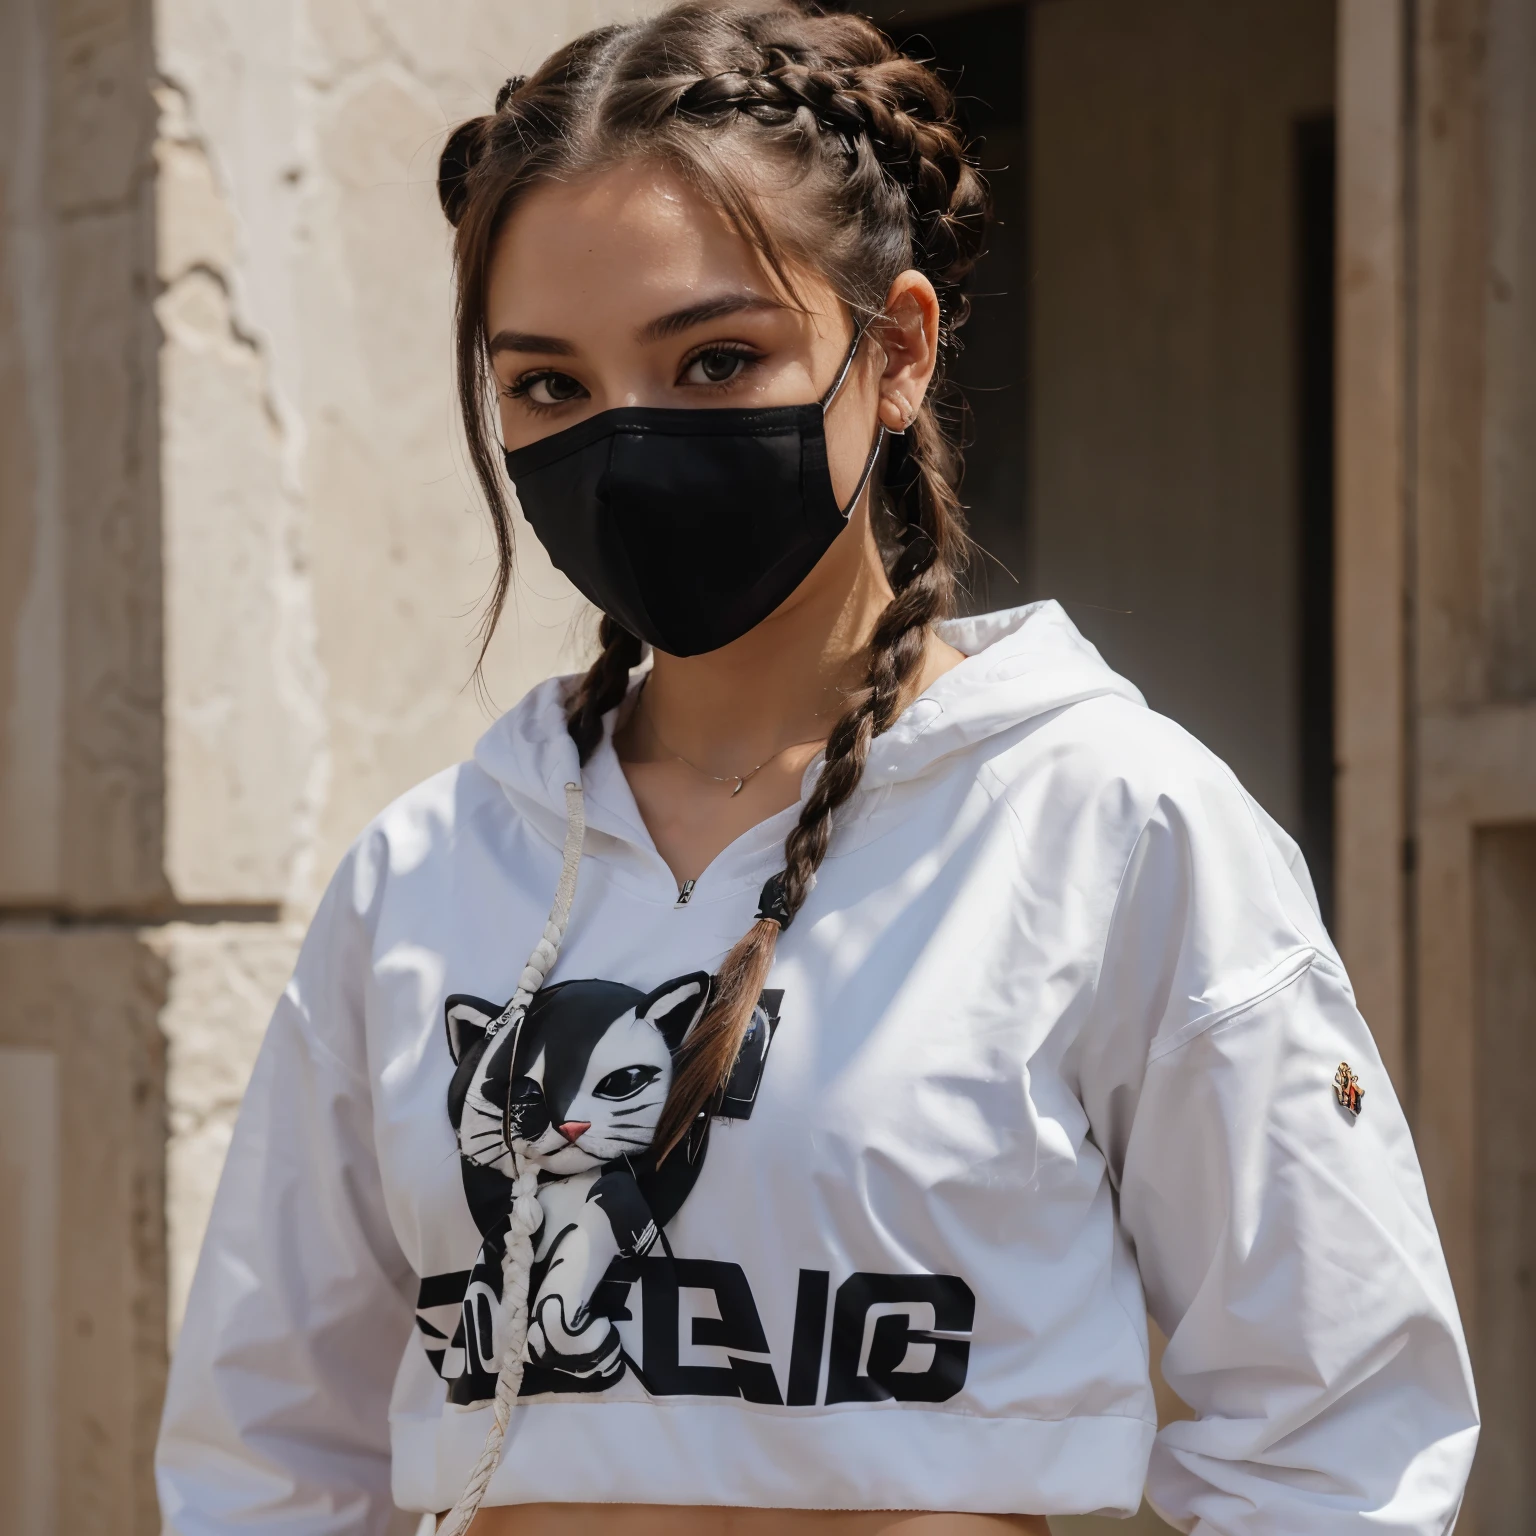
526 1213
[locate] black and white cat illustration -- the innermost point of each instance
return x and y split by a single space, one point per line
577 1088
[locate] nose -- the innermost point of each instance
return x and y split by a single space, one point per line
571 1129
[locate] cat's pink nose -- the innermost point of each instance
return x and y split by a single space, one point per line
573 1128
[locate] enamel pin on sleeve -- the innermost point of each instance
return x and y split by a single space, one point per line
1347 1089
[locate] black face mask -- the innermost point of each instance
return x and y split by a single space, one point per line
688 527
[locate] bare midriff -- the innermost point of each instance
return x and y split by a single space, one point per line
696 1520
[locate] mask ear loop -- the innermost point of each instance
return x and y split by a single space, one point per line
826 402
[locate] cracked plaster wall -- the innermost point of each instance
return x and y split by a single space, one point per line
325 551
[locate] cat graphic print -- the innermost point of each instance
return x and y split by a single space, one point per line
577 1088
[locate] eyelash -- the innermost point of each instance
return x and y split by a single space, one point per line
749 355
518 389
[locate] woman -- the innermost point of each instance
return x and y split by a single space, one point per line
913 1011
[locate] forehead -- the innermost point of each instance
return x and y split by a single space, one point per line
593 258
614 244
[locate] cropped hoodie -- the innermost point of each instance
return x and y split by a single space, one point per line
1058 1040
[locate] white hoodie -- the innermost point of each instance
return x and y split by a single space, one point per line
1056 1041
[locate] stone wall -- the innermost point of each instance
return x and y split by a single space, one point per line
240 567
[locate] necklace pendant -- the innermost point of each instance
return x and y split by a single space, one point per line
741 784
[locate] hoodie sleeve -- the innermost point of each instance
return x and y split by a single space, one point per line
1285 1245
276 1414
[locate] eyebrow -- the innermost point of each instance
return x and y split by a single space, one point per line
529 341
698 314
659 329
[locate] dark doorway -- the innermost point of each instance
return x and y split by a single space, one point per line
1179 365
1148 368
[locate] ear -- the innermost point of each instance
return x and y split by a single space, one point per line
908 331
467 1019
676 1006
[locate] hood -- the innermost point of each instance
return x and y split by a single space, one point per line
1019 663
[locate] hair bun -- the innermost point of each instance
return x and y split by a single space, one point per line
464 147
510 87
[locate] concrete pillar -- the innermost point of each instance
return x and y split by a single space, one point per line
82 1254
240 558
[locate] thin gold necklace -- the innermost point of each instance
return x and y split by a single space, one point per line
740 780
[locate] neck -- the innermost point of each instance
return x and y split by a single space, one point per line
784 682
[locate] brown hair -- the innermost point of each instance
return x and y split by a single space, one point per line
882 184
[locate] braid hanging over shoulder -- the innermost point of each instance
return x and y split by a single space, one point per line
890 122
603 687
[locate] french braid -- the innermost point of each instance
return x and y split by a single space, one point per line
883 183
602 687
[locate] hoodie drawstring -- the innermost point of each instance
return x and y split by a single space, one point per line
526 1214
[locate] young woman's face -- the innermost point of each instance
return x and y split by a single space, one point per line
626 288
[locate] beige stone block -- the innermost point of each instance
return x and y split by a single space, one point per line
242 709
80 1050
31 554
79 658
222 982
31 1126
113 787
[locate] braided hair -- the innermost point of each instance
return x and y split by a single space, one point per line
881 183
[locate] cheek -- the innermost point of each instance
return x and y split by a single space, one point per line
505 418
850 428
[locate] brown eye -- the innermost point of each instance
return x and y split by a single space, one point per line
719 365
547 388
